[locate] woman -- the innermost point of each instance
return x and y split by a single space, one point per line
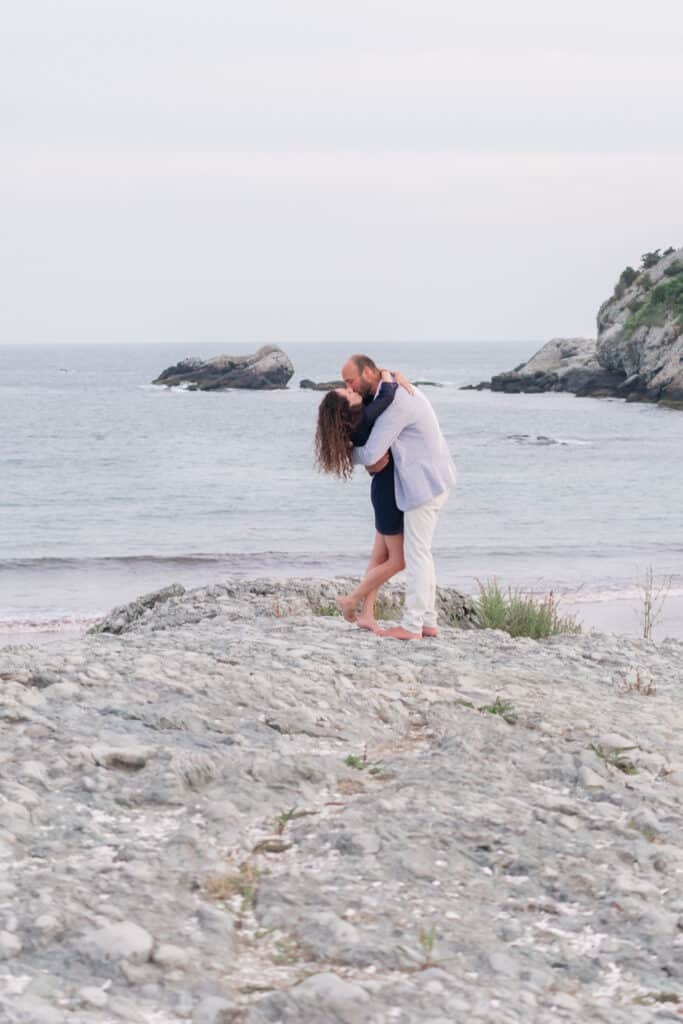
344 422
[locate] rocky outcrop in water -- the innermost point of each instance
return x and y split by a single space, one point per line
266 370
322 385
230 805
563 364
638 354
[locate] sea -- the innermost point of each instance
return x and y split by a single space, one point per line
113 487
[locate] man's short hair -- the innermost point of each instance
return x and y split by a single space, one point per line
364 363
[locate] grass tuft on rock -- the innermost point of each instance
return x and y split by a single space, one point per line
521 614
664 302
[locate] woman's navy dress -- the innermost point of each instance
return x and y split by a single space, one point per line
388 516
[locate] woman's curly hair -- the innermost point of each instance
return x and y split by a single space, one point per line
336 422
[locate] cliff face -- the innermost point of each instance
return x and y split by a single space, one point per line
640 330
638 354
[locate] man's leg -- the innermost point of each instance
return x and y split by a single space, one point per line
420 523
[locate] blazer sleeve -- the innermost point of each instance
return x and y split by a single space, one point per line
371 411
386 430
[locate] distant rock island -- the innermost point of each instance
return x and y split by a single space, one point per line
321 385
638 354
266 370
330 385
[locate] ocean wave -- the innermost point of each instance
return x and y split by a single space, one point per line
241 560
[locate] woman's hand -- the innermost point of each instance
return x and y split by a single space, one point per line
386 376
404 382
378 466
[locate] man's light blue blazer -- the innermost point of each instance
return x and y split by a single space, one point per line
423 466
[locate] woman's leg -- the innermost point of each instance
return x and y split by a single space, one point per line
378 574
378 555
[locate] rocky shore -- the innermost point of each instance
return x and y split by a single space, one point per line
638 353
229 805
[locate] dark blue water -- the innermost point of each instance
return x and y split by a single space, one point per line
112 487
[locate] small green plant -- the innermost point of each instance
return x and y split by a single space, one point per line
283 819
362 764
521 614
244 884
645 830
614 757
426 938
326 609
503 708
388 612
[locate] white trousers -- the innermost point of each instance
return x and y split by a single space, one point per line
418 531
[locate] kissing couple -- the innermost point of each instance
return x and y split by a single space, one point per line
380 421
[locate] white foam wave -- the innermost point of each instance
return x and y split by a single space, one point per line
48 624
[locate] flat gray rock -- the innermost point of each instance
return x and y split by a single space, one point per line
252 811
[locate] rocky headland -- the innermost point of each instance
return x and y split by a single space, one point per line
268 369
638 353
229 805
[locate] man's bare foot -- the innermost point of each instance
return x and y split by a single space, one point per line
430 631
347 607
365 622
399 633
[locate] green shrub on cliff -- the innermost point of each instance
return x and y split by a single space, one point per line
626 278
650 259
664 302
521 614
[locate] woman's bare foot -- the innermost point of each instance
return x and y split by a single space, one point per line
366 622
347 606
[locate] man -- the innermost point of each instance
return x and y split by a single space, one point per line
424 473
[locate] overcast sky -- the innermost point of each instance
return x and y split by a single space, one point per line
361 170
